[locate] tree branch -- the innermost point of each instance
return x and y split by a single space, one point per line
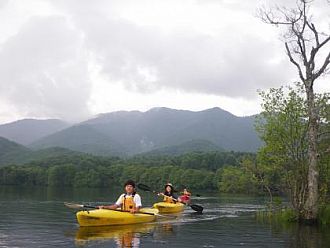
294 62
322 69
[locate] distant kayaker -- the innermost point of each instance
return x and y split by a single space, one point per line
185 197
129 201
168 194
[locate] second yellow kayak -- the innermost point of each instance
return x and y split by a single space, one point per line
166 208
106 217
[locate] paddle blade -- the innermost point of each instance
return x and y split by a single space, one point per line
144 187
78 206
197 208
73 205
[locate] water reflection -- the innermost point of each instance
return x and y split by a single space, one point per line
301 235
36 217
163 231
123 235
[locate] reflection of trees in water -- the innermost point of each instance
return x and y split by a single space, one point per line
301 236
309 236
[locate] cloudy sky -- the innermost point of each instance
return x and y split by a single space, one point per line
71 59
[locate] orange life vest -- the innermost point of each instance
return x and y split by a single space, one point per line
168 199
128 202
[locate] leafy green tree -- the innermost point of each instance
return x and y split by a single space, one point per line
308 50
283 126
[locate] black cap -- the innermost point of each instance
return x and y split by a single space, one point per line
130 182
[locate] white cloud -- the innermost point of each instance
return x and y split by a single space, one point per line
71 58
182 57
43 72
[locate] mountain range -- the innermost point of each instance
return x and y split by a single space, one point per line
125 133
27 131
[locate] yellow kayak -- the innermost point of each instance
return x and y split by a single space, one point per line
165 207
106 217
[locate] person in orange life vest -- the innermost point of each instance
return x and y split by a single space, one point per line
185 197
128 201
168 194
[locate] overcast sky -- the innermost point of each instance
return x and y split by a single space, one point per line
71 59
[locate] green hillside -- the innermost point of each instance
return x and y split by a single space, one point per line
133 132
83 138
186 147
13 153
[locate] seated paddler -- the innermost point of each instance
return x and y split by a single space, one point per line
129 201
168 194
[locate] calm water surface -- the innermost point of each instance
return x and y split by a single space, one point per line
36 217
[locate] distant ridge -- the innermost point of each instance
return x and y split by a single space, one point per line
27 131
83 138
125 133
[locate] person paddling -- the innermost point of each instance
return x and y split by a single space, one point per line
168 194
128 201
185 197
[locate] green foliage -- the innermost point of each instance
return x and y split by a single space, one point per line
283 128
91 171
195 160
283 160
18 175
186 147
285 215
324 215
61 175
236 180
12 152
324 149
197 171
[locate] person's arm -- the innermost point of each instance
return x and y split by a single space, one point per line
137 202
113 206
173 198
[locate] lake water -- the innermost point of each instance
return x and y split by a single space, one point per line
37 217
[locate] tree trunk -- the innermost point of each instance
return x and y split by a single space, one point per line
311 205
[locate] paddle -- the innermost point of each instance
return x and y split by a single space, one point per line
80 206
194 207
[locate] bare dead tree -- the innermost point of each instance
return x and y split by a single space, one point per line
306 47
